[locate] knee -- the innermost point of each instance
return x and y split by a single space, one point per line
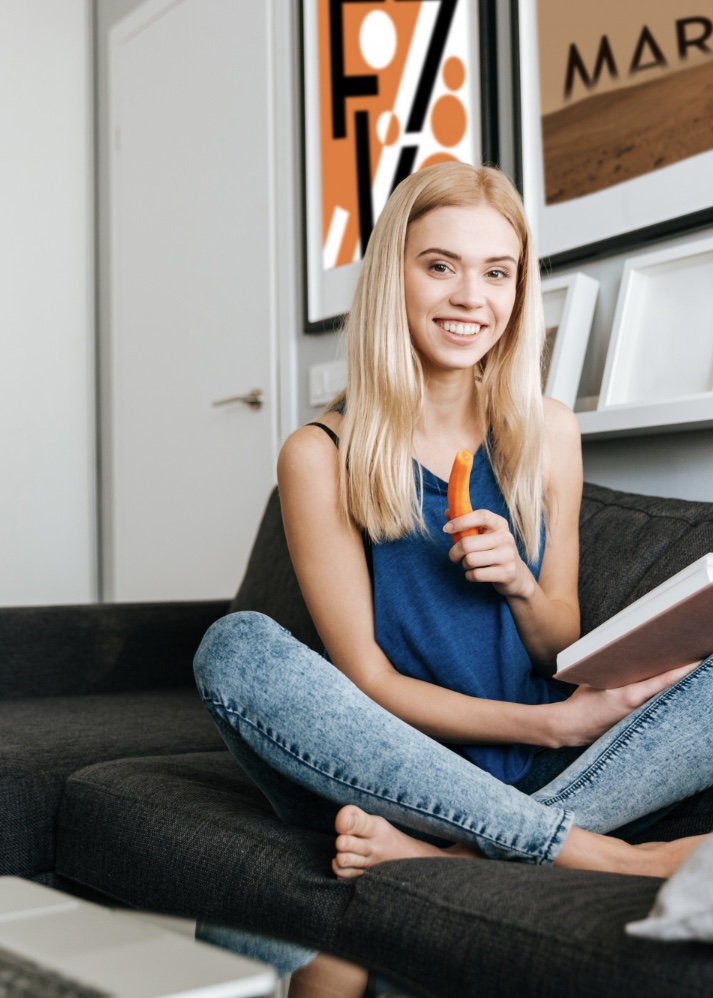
231 644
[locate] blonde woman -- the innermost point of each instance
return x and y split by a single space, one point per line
433 709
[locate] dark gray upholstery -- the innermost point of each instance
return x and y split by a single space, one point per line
100 648
457 928
192 835
270 584
46 739
80 684
128 792
632 543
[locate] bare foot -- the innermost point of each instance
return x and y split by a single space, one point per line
588 851
668 856
365 840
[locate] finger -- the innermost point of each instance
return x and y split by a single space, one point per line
670 678
681 671
469 521
492 521
647 688
482 519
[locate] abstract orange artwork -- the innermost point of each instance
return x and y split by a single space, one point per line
396 91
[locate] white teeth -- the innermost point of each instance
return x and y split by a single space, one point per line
461 328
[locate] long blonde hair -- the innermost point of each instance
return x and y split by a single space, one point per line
385 382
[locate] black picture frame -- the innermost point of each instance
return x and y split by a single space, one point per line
483 17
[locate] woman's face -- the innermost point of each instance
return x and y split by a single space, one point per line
460 279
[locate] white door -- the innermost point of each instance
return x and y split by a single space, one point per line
192 286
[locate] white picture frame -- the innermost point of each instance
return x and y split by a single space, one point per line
661 348
569 301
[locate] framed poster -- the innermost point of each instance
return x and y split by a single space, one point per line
389 86
615 136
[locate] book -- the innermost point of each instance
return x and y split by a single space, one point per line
670 626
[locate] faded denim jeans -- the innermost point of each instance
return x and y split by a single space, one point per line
312 741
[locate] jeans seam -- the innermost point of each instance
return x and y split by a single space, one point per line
541 858
647 716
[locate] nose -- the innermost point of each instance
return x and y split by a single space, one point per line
467 293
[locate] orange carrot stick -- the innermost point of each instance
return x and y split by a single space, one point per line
459 491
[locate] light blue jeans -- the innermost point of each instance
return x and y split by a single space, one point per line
312 741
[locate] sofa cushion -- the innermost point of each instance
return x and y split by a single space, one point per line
631 543
270 584
471 927
44 740
191 835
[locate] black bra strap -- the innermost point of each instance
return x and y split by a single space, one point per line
330 432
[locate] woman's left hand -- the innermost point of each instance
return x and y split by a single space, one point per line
491 555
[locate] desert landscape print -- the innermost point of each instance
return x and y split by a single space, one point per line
621 134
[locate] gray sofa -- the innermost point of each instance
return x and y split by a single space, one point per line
113 783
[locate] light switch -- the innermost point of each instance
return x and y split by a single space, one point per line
325 380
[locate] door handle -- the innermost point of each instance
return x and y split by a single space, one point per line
253 399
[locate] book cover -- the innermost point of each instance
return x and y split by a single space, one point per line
670 626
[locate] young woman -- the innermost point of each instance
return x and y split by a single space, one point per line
440 716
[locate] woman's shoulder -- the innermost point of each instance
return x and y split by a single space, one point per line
563 447
311 446
561 424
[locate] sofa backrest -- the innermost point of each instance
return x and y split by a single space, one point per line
270 585
629 544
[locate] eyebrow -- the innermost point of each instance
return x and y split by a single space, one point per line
438 251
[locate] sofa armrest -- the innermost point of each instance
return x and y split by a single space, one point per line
100 647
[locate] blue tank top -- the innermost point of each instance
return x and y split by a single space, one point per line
435 625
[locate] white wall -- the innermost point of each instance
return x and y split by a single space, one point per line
47 498
47 502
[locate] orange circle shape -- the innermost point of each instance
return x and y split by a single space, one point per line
454 73
438 157
448 120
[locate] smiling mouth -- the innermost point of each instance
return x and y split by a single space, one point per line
460 328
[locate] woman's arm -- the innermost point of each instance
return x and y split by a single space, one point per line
546 614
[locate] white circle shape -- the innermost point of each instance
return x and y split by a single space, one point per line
377 39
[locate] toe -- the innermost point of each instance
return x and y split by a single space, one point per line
353 844
349 819
346 866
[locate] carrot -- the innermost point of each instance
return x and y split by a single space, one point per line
459 491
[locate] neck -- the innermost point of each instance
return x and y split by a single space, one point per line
449 421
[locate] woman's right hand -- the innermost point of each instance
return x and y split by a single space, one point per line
590 712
